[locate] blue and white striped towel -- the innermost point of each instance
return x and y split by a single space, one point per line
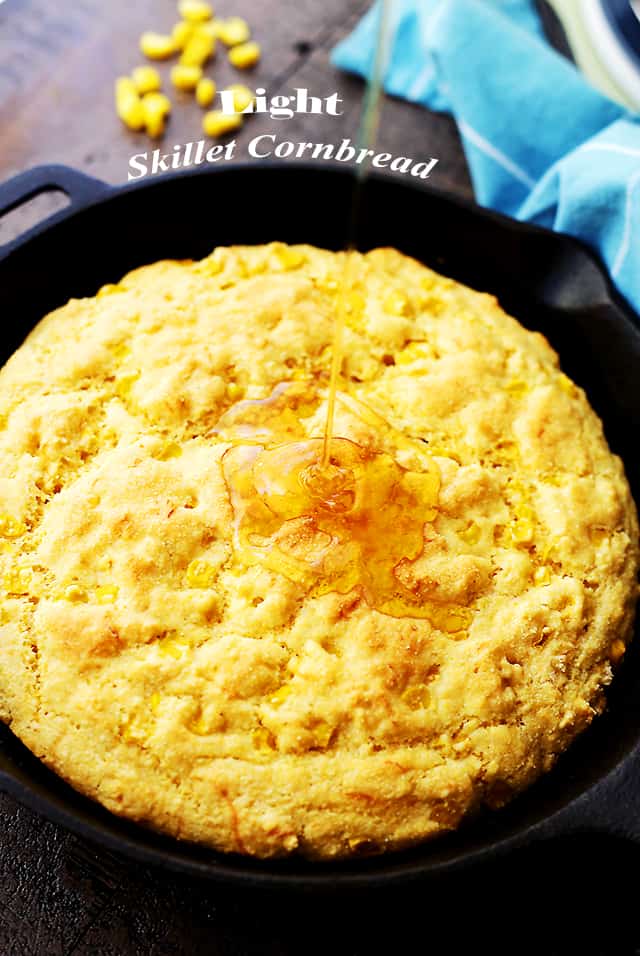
542 145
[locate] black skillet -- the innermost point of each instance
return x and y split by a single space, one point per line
549 282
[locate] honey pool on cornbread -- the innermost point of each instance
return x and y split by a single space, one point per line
210 635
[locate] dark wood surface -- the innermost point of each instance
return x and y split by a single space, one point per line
58 895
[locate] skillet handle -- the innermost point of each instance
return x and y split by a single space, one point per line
79 187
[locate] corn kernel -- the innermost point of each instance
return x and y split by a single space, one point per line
198 49
106 593
280 695
396 303
157 46
186 77
156 107
234 391
199 726
216 123
542 575
128 103
428 282
263 740
566 384
289 258
170 449
205 91
195 11
322 733
471 534
522 531
355 303
146 79
10 527
617 651
124 384
242 96
244 56
517 387
200 574
75 594
181 34
18 580
416 696
154 703
450 619
172 646
233 31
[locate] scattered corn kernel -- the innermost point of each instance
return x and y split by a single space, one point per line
566 384
322 734
128 103
242 96
75 594
199 726
146 79
198 49
216 123
154 703
172 646
106 593
108 289
471 534
517 387
124 384
396 304
200 574
170 449
195 11
233 31
18 580
522 531
280 695
186 77
234 391
289 258
205 91
244 56
157 46
181 34
10 527
542 575
450 619
156 107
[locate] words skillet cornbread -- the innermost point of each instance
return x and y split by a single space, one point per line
211 637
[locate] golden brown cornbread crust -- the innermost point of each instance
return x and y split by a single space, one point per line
224 705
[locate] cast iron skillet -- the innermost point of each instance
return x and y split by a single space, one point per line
549 282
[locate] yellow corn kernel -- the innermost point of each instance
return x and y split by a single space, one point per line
354 304
617 651
396 303
245 55
517 387
216 123
234 391
18 580
280 695
242 96
522 531
471 534
170 449
198 49
124 384
438 451
416 696
154 703
199 726
156 107
128 103
289 258
200 574
108 289
450 619
172 646
157 46
186 77
428 282
233 30
566 384
75 594
106 593
146 79
205 91
322 733
181 34
10 527
542 575
263 740
195 11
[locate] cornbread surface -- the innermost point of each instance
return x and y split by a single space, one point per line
226 704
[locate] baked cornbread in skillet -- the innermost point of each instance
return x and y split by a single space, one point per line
177 666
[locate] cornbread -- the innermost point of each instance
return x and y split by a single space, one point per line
223 668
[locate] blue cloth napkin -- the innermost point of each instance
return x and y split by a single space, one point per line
542 144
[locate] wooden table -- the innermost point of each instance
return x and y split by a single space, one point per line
58 895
